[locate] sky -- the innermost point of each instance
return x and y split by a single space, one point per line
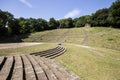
59 9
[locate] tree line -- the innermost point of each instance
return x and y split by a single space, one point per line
103 17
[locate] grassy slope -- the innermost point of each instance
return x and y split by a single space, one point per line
46 36
104 37
27 50
97 36
80 60
76 35
89 66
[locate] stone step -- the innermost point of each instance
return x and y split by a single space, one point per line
29 71
67 73
48 71
38 69
2 61
6 71
52 52
59 75
30 67
18 69
47 52
55 53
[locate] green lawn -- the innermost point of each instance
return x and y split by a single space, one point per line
27 49
84 62
104 37
95 36
46 36
89 66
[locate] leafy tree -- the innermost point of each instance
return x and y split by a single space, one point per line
6 23
23 23
62 23
3 20
52 23
81 21
42 25
68 23
100 17
114 14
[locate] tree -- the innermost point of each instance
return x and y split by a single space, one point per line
68 23
3 20
52 23
99 18
6 23
23 23
42 25
81 21
114 14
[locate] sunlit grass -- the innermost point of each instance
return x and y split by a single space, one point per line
89 66
104 37
76 35
27 49
97 36
81 60
45 36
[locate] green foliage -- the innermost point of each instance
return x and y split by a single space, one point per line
100 17
114 14
52 23
82 21
66 23
3 20
6 21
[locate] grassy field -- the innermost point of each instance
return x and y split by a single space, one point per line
89 66
95 36
84 61
27 49
104 37
46 36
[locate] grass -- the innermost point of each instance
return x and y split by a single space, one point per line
96 37
46 36
27 49
76 35
81 60
104 37
89 66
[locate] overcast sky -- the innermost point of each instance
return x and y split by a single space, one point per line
58 9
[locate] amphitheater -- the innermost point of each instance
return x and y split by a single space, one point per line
36 66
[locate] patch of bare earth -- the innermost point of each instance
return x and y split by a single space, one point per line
16 45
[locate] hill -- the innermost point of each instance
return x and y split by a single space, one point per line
95 36
92 53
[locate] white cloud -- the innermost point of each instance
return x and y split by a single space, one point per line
26 3
72 13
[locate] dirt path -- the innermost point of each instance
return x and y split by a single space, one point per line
16 45
93 50
85 40
62 37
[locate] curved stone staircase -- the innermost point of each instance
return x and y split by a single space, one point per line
37 66
51 53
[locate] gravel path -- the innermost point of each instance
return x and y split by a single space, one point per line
16 45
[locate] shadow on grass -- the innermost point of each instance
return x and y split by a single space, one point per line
13 38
